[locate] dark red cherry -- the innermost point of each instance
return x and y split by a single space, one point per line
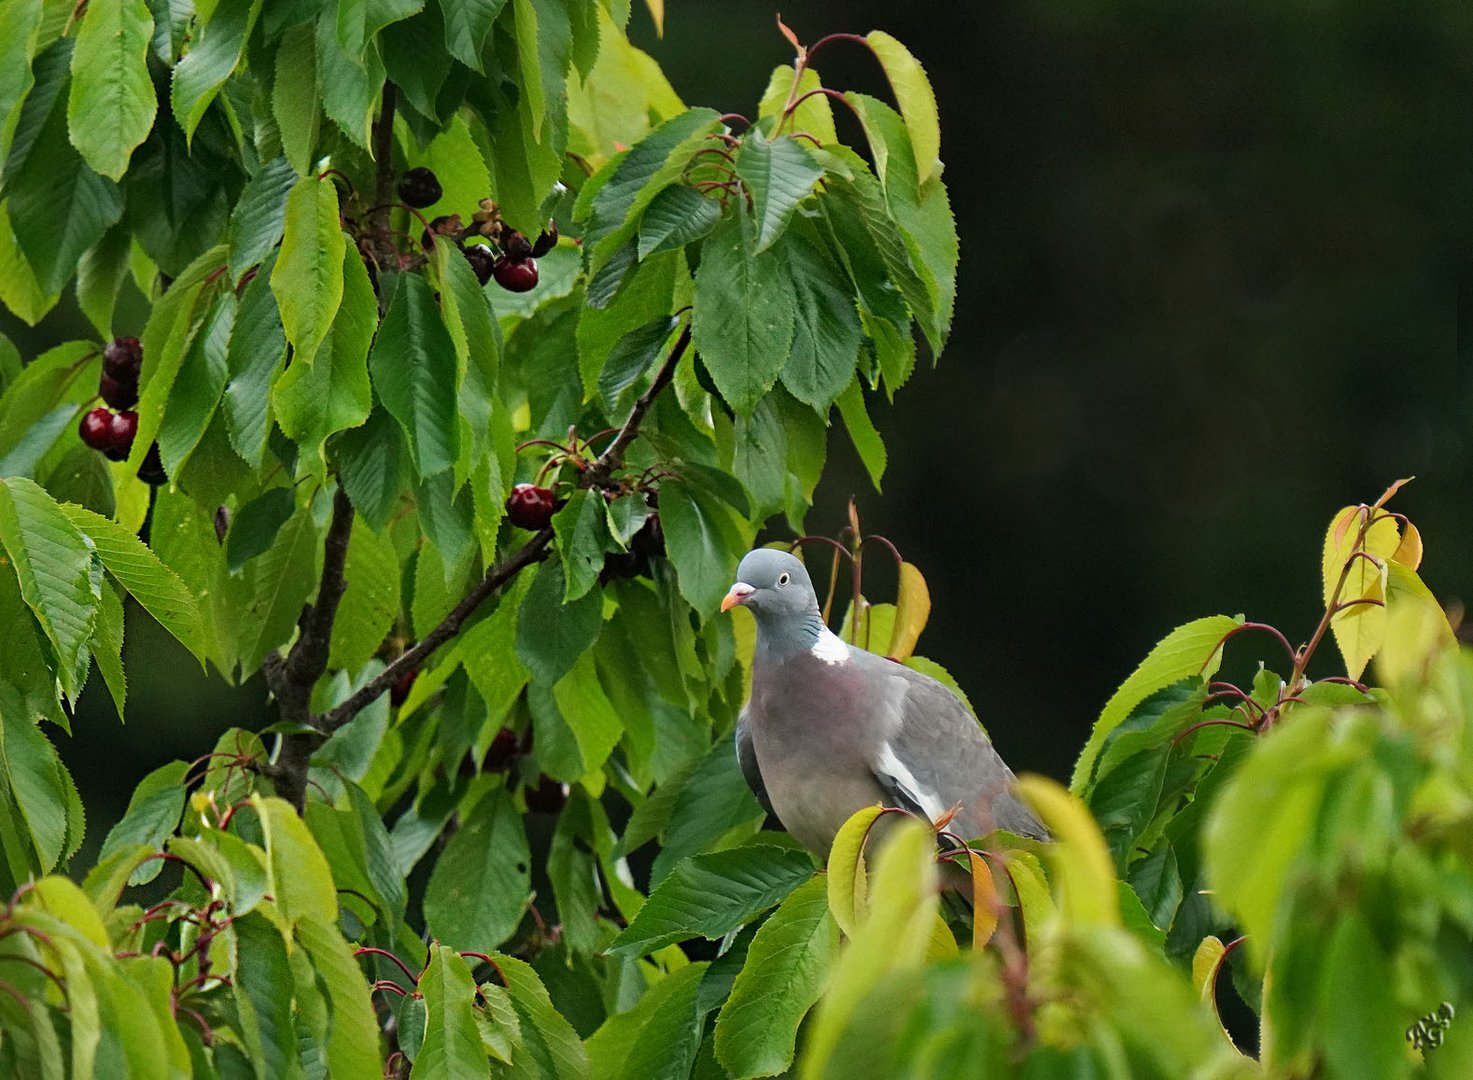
502 751
547 796
96 429
122 359
420 187
515 276
530 507
400 690
517 247
546 240
121 430
119 393
151 472
481 260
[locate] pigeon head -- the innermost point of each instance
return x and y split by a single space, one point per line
776 587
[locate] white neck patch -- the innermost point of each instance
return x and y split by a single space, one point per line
830 647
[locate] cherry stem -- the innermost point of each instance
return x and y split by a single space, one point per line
727 118
1218 722
823 91
492 963
371 950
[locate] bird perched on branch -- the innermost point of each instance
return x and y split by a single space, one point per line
830 728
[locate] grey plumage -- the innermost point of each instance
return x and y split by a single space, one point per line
830 728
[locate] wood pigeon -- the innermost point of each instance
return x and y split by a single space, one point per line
830 728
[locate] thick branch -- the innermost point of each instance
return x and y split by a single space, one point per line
291 680
533 551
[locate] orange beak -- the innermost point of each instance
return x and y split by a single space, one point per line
738 595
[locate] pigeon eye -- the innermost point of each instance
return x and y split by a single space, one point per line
782 579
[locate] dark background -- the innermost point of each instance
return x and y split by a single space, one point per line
1213 263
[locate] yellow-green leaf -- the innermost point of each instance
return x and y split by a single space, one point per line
846 868
985 903
297 870
1081 862
916 99
895 935
1361 628
912 609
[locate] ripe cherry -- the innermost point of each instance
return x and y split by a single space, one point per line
122 427
517 247
481 260
420 187
547 796
447 225
122 359
151 472
502 751
400 690
515 276
530 507
546 240
96 429
119 393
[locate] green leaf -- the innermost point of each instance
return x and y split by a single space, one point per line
351 87
702 540
111 105
1190 649
826 329
281 581
297 871
294 96
779 174
712 802
582 536
196 391
58 204
467 22
19 22
862 432
160 591
34 776
633 181
259 217
711 895
787 964
47 389
916 99
414 371
815 115
53 562
369 464
744 312
481 883
262 987
314 400
575 724
255 355
370 602
632 355
212 58
100 276
676 216
452 1042
254 526
353 1036
107 648
552 1049
308 277
152 816
551 635
658 1038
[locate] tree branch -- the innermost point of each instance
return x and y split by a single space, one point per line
291 680
533 551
